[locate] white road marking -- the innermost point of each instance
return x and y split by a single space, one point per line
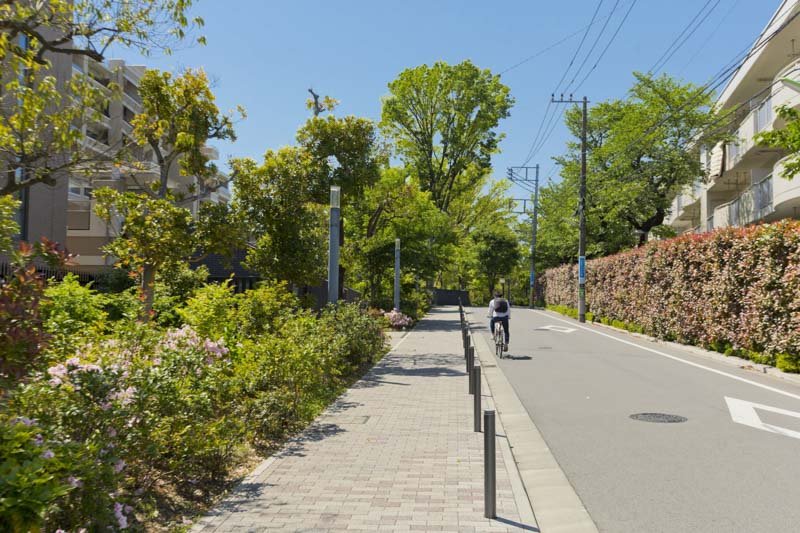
744 412
560 329
684 361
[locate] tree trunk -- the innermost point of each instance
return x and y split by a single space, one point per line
148 291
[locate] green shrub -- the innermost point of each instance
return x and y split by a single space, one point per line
211 310
787 363
262 310
72 313
31 474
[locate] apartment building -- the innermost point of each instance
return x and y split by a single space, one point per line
86 233
745 181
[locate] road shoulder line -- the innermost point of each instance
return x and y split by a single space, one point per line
555 504
674 357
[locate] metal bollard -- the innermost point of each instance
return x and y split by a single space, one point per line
470 364
476 381
489 473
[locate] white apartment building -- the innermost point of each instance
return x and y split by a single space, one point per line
87 233
745 181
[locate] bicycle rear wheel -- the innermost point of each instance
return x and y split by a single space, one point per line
498 341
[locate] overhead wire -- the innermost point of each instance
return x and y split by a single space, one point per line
531 151
553 123
724 75
711 35
608 44
672 48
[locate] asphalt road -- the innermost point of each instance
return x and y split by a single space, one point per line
707 474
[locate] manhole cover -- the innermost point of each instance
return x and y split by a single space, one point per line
659 418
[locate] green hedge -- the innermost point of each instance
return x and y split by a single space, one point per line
735 290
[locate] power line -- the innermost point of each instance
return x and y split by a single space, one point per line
727 73
608 45
553 122
542 127
594 45
711 35
555 44
669 51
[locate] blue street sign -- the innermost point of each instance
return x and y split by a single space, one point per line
581 269
532 278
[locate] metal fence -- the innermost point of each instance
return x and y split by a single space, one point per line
7 270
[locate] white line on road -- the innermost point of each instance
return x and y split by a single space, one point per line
744 412
674 358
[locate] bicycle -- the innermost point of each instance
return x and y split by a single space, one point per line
499 338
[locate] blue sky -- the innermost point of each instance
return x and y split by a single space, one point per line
264 55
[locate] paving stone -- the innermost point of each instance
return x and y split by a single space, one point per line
395 453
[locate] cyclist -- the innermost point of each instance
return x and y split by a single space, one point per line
500 311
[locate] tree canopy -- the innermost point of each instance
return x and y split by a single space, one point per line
442 119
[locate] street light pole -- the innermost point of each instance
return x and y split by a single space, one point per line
397 274
333 245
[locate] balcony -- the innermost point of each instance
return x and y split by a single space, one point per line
786 193
131 103
784 94
753 204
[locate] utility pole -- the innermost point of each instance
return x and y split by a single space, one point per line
513 175
581 207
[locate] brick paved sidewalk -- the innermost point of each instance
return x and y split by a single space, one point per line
395 453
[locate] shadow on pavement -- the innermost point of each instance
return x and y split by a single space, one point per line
315 433
412 365
243 493
523 527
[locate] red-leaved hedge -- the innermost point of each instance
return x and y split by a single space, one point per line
735 290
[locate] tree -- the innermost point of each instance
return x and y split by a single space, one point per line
284 200
786 138
641 152
396 207
90 27
179 118
276 201
497 253
442 120
40 116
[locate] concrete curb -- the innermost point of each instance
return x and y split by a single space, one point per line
555 504
731 360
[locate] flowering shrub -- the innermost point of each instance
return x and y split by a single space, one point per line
398 320
735 290
134 416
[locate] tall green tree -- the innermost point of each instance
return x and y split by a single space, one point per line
284 199
442 119
641 151
179 118
40 118
395 208
497 254
276 199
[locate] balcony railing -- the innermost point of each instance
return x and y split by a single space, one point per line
752 205
763 115
734 153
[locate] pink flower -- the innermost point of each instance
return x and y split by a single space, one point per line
120 516
48 454
119 466
75 482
